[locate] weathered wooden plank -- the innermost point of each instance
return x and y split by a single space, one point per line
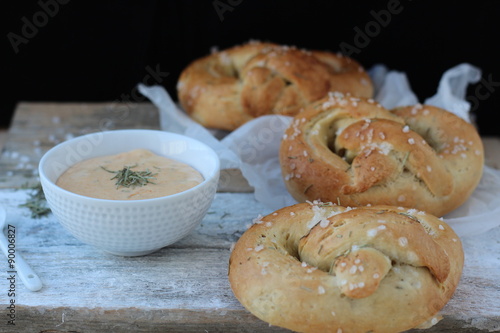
492 151
184 287
37 127
181 288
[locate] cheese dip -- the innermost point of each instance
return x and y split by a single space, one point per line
97 177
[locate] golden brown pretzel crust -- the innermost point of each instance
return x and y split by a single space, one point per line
354 152
316 267
228 88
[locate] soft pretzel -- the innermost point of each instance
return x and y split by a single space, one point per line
228 88
319 267
354 152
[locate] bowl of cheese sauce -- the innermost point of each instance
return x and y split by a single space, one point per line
130 192
133 175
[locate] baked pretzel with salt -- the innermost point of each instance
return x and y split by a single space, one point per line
320 267
227 88
354 152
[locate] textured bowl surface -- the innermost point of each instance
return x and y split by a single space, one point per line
130 227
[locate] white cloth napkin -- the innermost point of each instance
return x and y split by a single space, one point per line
253 147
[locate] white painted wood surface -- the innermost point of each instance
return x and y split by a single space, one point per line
181 288
184 287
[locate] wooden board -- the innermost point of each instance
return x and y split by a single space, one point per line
181 288
37 127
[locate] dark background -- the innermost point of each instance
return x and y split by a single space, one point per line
99 51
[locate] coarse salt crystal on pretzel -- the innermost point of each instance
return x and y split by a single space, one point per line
359 153
329 268
227 88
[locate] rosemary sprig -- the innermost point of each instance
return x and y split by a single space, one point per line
36 202
409 216
405 159
129 178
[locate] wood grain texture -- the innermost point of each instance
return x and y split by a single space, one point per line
183 287
492 151
37 127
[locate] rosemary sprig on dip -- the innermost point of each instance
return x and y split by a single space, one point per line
130 178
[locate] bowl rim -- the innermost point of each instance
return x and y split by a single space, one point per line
44 179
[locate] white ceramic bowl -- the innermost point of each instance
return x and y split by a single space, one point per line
130 227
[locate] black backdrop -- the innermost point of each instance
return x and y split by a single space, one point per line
69 50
